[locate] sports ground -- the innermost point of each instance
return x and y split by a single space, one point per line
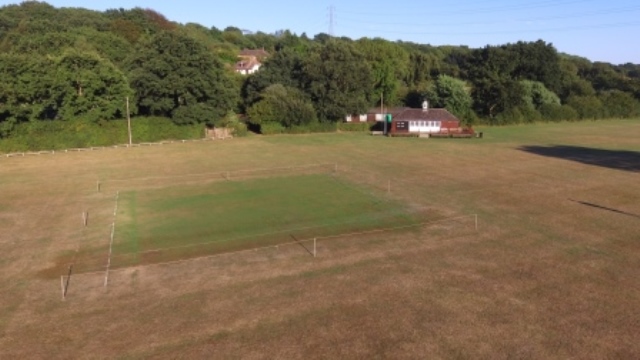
523 244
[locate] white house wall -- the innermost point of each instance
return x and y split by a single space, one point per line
424 126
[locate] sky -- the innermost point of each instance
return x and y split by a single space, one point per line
600 30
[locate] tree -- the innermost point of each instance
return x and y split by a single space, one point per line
25 92
171 71
284 67
338 80
537 61
74 85
284 105
535 94
618 104
493 96
588 107
89 86
389 65
452 94
554 112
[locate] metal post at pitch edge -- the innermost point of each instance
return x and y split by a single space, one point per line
314 247
389 187
62 286
98 185
476 215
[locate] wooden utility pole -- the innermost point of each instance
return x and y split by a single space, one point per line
382 113
129 123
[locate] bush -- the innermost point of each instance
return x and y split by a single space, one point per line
80 133
321 127
588 107
271 128
232 121
530 115
239 129
511 116
618 104
354 127
554 112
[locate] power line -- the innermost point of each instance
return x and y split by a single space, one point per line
542 18
467 10
569 28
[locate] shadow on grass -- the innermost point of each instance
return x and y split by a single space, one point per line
613 159
301 244
605 208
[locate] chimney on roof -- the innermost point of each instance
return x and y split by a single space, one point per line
425 105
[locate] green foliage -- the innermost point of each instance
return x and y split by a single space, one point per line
313 127
73 85
389 64
588 107
175 76
452 94
75 64
535 94
495 96
232 121
618 104
89 86
555 112
25 90
284 105
285 67
338 80
80 133
151 129
272 128
354 127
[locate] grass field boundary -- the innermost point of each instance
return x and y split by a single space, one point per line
283 232
287 231
387 182
300 241
113 230
94 148
221 175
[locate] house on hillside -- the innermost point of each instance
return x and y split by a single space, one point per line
250 61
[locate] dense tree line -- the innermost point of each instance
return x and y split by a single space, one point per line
71 64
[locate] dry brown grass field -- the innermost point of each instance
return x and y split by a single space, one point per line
552 271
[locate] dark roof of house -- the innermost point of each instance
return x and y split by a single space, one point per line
430 114
259 53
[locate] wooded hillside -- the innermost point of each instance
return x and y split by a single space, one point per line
71 64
